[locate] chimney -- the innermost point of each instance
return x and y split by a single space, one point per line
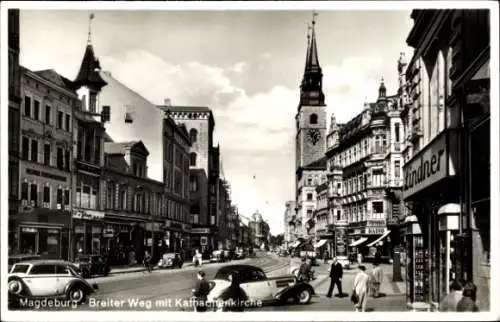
167 102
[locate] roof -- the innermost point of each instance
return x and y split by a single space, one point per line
226 270
45 261
55 78
312 61
185 108
120 147
318 164
89 70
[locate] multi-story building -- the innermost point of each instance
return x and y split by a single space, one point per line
204 172
289 223
447 166
43 222
260 230
310 140
367 149
15 100
87 184
322 219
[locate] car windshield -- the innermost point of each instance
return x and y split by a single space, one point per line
20 268
84 259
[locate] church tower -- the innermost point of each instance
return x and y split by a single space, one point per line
311 115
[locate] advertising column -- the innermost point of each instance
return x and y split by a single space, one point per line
341 242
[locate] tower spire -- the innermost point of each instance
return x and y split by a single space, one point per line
89 39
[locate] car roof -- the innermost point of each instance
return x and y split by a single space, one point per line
45 261
226 270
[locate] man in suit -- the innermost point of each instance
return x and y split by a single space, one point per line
200 292
336 272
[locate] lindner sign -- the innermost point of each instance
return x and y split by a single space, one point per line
431 164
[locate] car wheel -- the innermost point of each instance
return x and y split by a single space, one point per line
77 294
16 286
304 297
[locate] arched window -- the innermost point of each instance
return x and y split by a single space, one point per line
313 119
192 159
193 135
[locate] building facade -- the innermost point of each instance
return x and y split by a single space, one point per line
204 172
310 140
447 166
365 163
260 230
323 236
15 100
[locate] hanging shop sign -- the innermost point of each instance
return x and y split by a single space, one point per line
88 215
435 162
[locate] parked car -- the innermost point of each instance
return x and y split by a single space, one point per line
13 259
240 254
90 265
217 256
171 260
47 279
259 287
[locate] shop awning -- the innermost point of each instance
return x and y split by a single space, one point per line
358 242
320 243
449 208
296 243
379 239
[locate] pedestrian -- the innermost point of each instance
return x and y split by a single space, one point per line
200 292
197 258
468 301
326 256
147 261
233 298
336 271
360 290
303 270
377 279
359 258
450 301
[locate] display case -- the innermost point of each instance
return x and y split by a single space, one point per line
417 288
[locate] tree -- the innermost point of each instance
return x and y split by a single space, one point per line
276 241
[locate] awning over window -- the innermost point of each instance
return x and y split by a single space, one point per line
297 243
358 242
320 243
379 239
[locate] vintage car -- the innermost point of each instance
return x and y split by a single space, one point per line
89 265
240 253
217 256
48 279
259 287
171 260
13 259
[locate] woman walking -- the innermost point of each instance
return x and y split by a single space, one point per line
360 290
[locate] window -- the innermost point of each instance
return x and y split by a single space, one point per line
43 269
123 199
338 214
192 159
33 194
396 132
134 168
24 191
62 270
27 106
193 135
309 212
378 207
26 148
377 177
66 198
36 110
309 182
59 198
89 142
67 160
193 184
59 120
46 154
111 196
97 149
47 113
68 123
313 119
397 169
309 196
46 197
34 150
60 158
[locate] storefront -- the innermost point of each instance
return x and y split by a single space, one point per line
87 229
41 231
431 191
200 239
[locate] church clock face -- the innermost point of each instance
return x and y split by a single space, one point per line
314 135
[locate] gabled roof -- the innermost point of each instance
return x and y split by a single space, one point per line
319 164
121 147
89 70
52 76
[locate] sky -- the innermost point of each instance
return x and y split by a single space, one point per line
245 65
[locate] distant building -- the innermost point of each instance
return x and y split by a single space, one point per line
260 229
322 219
289 223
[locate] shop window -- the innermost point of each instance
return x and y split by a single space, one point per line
46 197
378 207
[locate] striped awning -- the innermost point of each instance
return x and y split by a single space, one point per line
379 239
358 242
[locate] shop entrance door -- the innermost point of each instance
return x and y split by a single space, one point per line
29 240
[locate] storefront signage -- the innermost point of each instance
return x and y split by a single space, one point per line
88 215
375 231
34 172
29 230
200 231
427 167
